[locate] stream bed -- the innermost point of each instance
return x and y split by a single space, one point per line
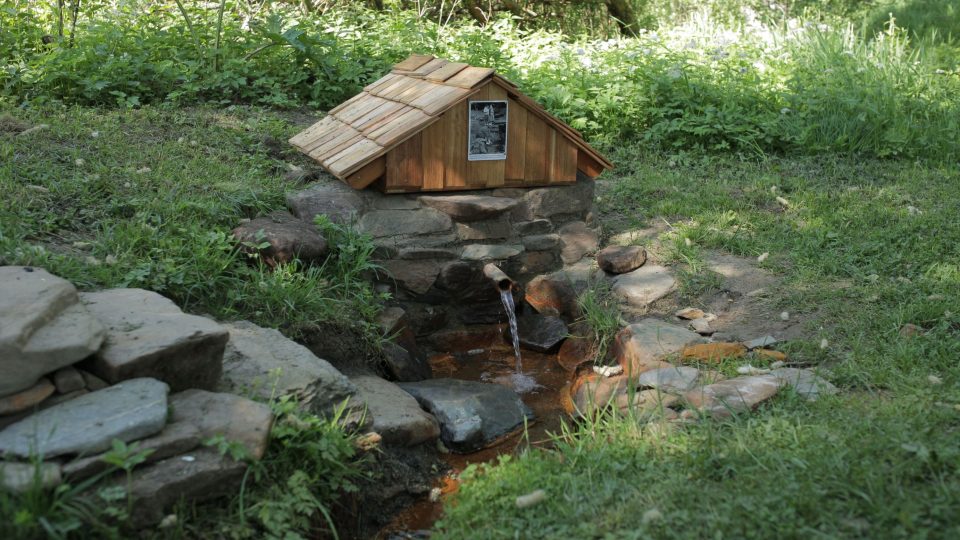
540 387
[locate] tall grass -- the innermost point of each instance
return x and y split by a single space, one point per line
749 84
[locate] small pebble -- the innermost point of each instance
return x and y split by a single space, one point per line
435 494
824 343
78 162
168 521
750 370
934 380
652 515
531 499
188 459
95 134
783 202
474 352
784 316
763 256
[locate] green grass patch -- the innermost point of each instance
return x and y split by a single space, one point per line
865 246
147 198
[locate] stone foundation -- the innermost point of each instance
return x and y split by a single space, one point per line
433 246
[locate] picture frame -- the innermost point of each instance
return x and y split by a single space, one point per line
487 130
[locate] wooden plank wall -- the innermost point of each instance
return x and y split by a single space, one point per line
436 158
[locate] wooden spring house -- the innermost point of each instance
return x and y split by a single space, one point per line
434 125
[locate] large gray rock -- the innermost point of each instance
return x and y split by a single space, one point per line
396 415
287 238
725 398
541 242
331 198
642 346
576 241
644 285
621 259
540 333
236 419
673 379
43 327
383 223
469 207
472 415
552 294
547 202
417 276
176 438
201 475
88 424
804 382
263 363
148 336
18 477
405 364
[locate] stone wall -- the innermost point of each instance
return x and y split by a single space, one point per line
433 246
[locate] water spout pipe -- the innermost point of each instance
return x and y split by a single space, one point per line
500 279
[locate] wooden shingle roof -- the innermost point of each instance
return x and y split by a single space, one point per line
415 93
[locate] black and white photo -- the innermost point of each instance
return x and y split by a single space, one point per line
487 131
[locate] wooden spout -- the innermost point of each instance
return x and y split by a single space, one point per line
499 278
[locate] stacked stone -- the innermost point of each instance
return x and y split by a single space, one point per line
82 370
433 246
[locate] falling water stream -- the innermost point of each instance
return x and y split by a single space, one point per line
520 382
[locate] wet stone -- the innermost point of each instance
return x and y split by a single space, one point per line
396 415
621 259
68 380
541 333
417 276
552 294
472 415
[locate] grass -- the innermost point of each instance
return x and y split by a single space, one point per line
867 245
147 198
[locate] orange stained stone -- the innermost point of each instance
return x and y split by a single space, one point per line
713 352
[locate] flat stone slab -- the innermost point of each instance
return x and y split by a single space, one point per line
88 424
416 276
492 252
287 238
20 477
200 475
804 382
472 415
236 418
148 336
469 207
641 346
645 285
264 363
396 415
576 241
760 342
176 438
383 223
725 398
552 294
43 327
541 333
332 198
26 399
621 259
677 379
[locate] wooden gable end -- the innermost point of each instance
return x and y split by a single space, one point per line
435 159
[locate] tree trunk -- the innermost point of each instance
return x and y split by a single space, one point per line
625 14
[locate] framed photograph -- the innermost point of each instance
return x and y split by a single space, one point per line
487 132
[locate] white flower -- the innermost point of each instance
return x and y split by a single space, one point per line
78 162
95 134
674 72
